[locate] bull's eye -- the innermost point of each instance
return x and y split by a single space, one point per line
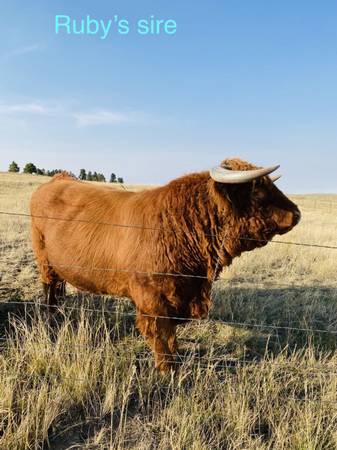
261 195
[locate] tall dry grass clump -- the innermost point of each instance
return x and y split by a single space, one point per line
73 378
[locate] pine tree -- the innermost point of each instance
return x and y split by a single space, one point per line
113 178
82 175
30 168
89 176
120 180
13 167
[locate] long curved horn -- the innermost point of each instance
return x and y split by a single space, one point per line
222 175
275 178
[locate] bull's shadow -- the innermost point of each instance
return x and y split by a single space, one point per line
292 316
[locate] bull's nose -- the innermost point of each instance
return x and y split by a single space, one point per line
297 217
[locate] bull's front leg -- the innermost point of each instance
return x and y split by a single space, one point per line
160 334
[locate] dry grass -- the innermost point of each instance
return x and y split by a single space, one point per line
86 380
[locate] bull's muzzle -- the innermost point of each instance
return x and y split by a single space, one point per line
296 217
288 220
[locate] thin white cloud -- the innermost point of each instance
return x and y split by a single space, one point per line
24 50
24 108
104 117
80 118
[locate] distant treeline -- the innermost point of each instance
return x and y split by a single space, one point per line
83 175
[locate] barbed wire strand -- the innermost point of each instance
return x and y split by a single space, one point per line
228 283
136 272
177 318
184 358
305 244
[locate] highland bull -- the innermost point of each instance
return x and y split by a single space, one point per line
162 247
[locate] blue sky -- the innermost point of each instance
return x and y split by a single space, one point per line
255 79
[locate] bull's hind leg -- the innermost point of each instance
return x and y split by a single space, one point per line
50 292
160 334
48 276
45 287
53 286
60 289
54 289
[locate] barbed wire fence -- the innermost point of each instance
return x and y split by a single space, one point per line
220 361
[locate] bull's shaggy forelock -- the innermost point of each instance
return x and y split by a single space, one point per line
238 164
192 226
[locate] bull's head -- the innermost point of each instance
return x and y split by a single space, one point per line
261 210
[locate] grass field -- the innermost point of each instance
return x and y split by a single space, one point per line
85 379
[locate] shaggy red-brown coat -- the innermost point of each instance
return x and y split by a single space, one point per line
191 226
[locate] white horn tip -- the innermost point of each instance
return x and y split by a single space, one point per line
275 178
